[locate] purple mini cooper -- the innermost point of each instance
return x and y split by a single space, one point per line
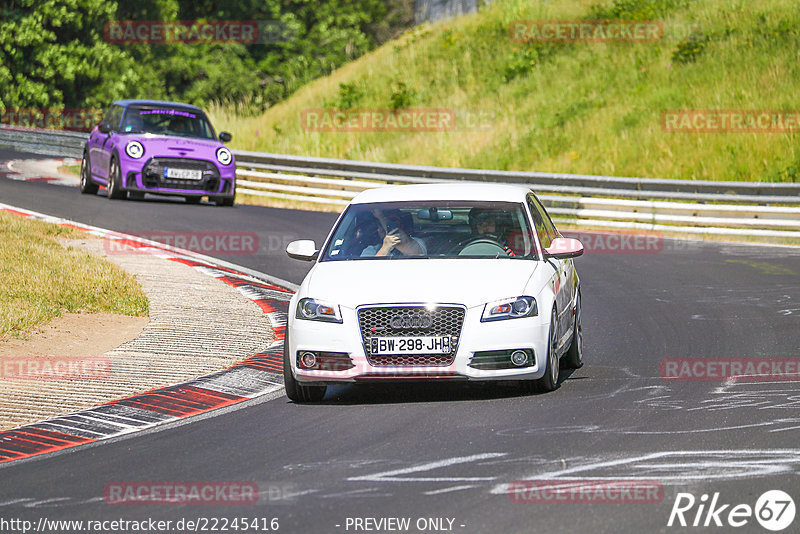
147 146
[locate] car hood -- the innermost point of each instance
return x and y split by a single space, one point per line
462 281
165 145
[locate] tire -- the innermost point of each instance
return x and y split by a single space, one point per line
224 201
549 382
88 187
114 188
294 390
193 200
573 359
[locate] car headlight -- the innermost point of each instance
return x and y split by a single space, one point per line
512 308
224 155
134 149
315 310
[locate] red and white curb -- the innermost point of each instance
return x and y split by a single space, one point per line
257 375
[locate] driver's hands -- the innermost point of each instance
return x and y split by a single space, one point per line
391 240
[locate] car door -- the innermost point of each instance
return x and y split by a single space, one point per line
562 280
101 144
95 143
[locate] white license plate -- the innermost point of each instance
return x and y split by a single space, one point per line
183 174
410 345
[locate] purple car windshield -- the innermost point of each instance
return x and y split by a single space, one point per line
167 121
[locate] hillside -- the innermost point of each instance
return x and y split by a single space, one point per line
576 107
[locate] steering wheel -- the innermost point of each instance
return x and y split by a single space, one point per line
480 246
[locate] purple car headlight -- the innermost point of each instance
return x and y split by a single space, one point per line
134 149
224 155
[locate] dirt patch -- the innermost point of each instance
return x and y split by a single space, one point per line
76 335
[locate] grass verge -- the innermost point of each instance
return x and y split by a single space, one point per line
40 279
582 107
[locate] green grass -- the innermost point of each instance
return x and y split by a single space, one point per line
40 279
590 108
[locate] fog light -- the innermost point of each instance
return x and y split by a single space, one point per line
308 359
519 358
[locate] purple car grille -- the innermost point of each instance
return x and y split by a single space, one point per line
153 174
396 321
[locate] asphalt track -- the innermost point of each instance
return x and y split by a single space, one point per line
451 451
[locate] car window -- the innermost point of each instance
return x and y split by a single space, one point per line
167 120
113 117
432 229
545 228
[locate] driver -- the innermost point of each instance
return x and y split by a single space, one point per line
178 126
394 232
488 223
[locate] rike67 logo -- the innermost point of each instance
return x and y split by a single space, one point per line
774 510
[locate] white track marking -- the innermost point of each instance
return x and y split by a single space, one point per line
448 490
680 467
393 476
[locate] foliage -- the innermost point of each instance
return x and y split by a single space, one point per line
690 48
402 96
636 9
349 94
54 53
524 59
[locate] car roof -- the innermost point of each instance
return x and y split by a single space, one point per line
127 103
468 191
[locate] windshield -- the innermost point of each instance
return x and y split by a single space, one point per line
167 120
432 229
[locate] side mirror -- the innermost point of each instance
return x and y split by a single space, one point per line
304 249
225 137
104 128
562 248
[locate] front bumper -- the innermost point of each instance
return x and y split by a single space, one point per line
528 333
148 177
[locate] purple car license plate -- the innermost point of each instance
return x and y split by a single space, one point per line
183 174
410 345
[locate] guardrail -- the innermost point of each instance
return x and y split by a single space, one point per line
758 209
685 206
47 142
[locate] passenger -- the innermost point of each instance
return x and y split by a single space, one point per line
365 234
395 239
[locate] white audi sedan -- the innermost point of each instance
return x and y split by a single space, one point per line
435 282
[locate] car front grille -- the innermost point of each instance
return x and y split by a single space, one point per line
411 359
397 321
153 174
